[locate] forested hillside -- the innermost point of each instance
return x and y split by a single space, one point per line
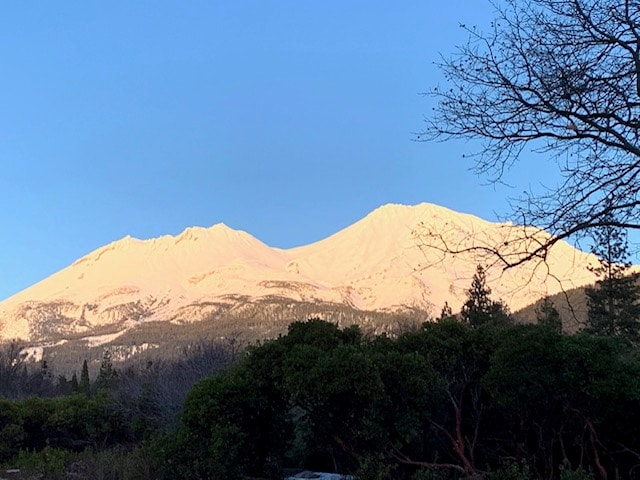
446 400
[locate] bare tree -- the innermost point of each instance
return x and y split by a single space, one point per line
559 78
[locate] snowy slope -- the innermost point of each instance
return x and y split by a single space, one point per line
377 263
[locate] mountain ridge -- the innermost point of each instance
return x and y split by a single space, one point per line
375 264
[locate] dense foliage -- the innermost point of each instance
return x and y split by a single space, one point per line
107 425
448 399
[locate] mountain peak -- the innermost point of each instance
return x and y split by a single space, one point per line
190 234
374 264
219 234
420 210
397 209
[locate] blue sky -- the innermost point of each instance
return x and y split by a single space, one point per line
287 119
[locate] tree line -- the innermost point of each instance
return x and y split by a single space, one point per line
449 400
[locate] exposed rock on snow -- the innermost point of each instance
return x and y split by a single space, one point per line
375 264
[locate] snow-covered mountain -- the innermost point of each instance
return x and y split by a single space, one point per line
378 263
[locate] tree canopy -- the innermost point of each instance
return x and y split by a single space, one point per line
614 302
479 308
448 400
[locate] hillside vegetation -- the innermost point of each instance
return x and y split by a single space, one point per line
447 400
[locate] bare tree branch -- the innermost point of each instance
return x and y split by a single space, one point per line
559 78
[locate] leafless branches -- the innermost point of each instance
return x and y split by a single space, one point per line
559 77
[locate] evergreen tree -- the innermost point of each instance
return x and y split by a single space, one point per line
548 315
614 302
446 313
63 386
107 373
85 384
479 308
75 387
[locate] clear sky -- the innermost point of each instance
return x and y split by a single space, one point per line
287 119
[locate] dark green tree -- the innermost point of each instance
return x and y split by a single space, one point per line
85 384
75 387
234 425
446 313
614 302
107 373
564 395
548 315
479 309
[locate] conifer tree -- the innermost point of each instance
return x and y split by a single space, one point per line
63 386
85 384
75 387
548 315
479 308
614 302
446 313
107 373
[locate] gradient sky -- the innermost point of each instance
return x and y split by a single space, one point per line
287 119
